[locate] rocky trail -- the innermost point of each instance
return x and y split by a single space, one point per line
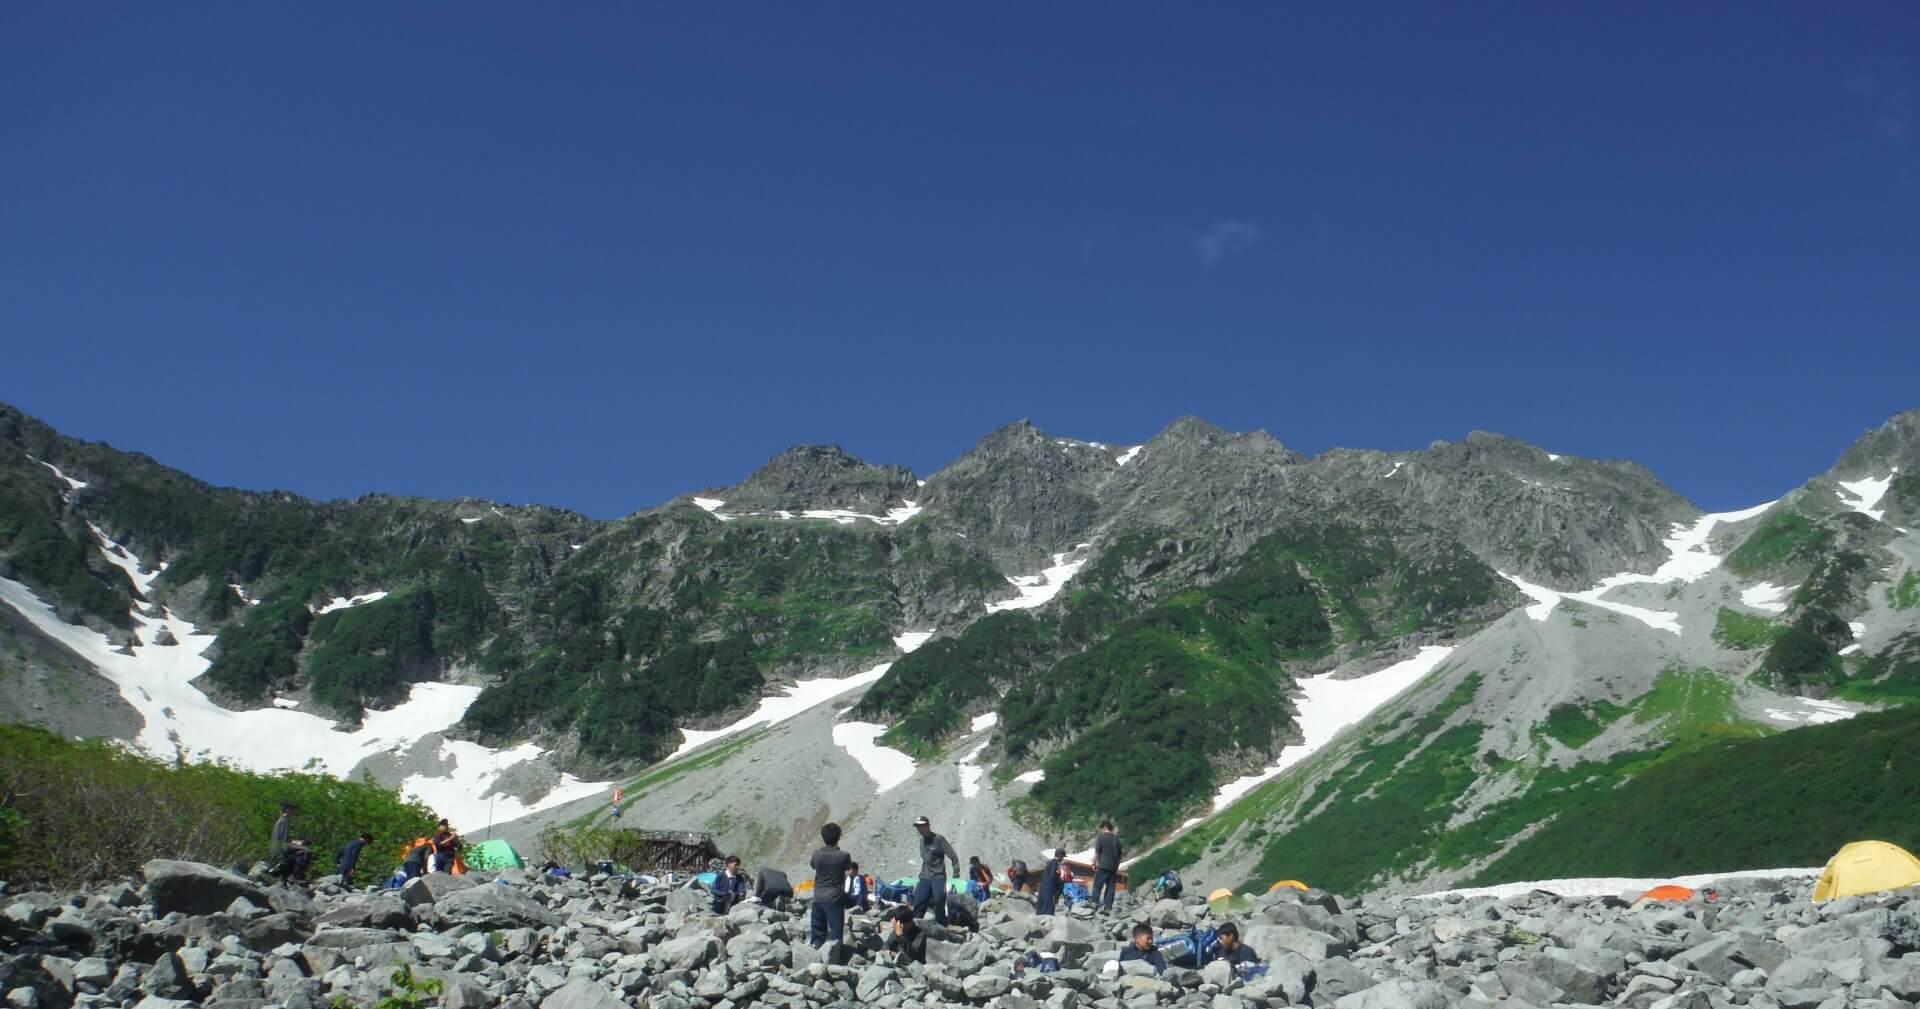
191 934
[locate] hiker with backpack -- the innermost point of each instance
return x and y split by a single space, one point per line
1142 948
729 886
1053 876
979 878
1106 865
349 857
1017 876
1169 885
827 915
935 853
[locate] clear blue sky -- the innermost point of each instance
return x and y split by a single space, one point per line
596 255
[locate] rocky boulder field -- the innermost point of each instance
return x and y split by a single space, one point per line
192 934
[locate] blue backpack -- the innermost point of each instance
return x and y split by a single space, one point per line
1074 893
1169 884
1187 948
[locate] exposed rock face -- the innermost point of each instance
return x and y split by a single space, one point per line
605 943
1020 494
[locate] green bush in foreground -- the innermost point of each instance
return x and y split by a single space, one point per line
77 812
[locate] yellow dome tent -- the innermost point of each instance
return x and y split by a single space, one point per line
1867 867
1296 884
1221 894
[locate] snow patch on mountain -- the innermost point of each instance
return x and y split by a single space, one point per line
971 772
1128 456
1689 559
72 484
344 603
1038 589
1812 711
1033 777
1326 706
887 766
1766 597
1866 495
982 723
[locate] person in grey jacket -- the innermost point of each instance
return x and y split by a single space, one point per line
1106 865
931 889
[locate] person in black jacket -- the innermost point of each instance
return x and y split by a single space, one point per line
349 857
1050 883
1106 865
827 914
729 886
1142 948
415 864
931 889
907 943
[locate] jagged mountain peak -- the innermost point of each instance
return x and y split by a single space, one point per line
805 477
1875 453
1194 433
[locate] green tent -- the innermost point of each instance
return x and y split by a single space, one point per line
494 854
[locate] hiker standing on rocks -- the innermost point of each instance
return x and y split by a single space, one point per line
977 872
827 914
349 857
282 836
446 845
1106 865
935 853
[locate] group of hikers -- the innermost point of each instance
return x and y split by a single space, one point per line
839 885
289 856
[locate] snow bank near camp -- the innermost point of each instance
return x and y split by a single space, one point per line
1603 886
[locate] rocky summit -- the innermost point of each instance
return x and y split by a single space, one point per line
523 940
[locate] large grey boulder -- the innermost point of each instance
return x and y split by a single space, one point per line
1398 995
688 952
196 888
493 907
584 994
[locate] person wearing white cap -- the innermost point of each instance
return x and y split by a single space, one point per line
931 888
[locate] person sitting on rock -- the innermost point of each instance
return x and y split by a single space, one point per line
1227 946
905 940
1143 949
730 886
858 899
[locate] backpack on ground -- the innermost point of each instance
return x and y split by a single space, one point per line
962 910
1187 948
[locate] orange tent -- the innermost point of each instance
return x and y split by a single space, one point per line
1668 892
1296 884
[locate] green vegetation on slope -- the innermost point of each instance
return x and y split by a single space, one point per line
1576 725
1786 800
63 565
1782 537
1745 632
1905 594
1889 677
72 812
